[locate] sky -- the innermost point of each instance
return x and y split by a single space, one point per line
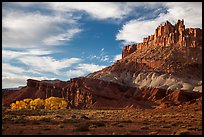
56 40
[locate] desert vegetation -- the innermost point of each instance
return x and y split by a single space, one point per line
174 120
51 103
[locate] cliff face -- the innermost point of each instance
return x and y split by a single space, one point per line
78 92
169 35
128 50
83 93
169 59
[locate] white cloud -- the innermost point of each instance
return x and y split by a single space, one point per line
54 40
90 67
191 12
103 57
10 54
12 80
96 10
91 57
75 73
83 69
14 76
9 68
135 30
113 10
117 57
22 29
48 64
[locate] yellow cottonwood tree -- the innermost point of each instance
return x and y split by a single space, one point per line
37 104
52 103
19 105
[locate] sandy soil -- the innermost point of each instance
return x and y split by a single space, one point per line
168 121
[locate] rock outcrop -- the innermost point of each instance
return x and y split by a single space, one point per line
83 93
169 35
78 92
128 50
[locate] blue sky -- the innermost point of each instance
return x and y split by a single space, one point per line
65 40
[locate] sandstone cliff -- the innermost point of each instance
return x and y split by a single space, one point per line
83 93
169 35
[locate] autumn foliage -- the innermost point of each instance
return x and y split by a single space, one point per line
52 103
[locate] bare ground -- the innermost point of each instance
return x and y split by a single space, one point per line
186 120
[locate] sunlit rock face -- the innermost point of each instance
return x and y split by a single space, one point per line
169 35
170 60
100 94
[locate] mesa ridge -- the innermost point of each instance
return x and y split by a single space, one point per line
168 35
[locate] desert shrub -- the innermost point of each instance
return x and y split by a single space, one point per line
36 104
19 105
27 100
54 103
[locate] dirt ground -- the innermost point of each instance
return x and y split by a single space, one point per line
166 121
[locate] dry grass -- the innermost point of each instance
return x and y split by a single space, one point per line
103 122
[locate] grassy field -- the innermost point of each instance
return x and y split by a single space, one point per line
168 121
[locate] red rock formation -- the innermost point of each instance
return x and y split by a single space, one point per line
83 93
161 95
128 50
169 35
78 92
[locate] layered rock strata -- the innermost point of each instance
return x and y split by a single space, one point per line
169 35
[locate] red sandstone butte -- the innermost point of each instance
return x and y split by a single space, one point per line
169 35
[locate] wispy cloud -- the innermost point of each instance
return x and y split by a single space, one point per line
75 73
83 69
11 54
48 64
95 10
11 80
6 67
102 56
45 68
14 76
59 39
90 67
22 29
31 64
114 10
